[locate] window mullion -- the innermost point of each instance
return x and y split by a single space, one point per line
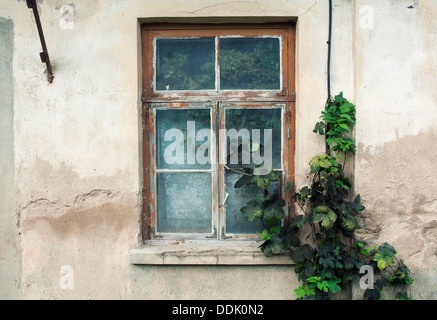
221 169
217 63
215 198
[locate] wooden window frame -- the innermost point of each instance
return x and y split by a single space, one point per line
285 97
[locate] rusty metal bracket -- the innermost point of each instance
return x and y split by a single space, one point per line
44 55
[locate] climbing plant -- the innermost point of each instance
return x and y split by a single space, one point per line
321 238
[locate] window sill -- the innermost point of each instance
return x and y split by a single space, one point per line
161 252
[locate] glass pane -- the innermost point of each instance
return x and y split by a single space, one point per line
185 64
183 139
184 202
254 136
238 198
249 63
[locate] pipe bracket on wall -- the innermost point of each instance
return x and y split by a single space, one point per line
44 55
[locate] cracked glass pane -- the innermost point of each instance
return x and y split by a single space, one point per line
183 139
238 198
185 64
250 63
184 202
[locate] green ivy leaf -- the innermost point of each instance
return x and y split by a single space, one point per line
330 140
328 262
344 126
320 128
274 176
304 270
325 251
245 179
387 249
360 207
273 212
361 244
380 283
302 253
303 195
349 259
267 250
321 287
372 294
325 215
298 221
339 98
333 285
262 182
279 202
346 116
273 208
318 162
265 235
347 107
359 263
304 291
272 246
348 222
276 245
253 209
381 262
289 237
384 256
333 133
275 229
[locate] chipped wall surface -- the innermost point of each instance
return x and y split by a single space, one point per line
396 62
72 153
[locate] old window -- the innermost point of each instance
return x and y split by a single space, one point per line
217 99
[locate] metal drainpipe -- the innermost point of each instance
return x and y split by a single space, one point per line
44 55
328 150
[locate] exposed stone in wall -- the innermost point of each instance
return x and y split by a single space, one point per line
397 185
91 234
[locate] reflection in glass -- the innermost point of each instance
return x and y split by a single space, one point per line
185 64
249 63
238 198
245 121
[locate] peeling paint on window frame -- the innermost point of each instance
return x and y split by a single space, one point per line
217 100
217 90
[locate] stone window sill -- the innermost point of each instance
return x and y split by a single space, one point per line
161 252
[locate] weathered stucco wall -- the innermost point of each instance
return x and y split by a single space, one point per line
72 196
396 63
9 241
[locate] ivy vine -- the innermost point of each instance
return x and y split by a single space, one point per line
330 257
